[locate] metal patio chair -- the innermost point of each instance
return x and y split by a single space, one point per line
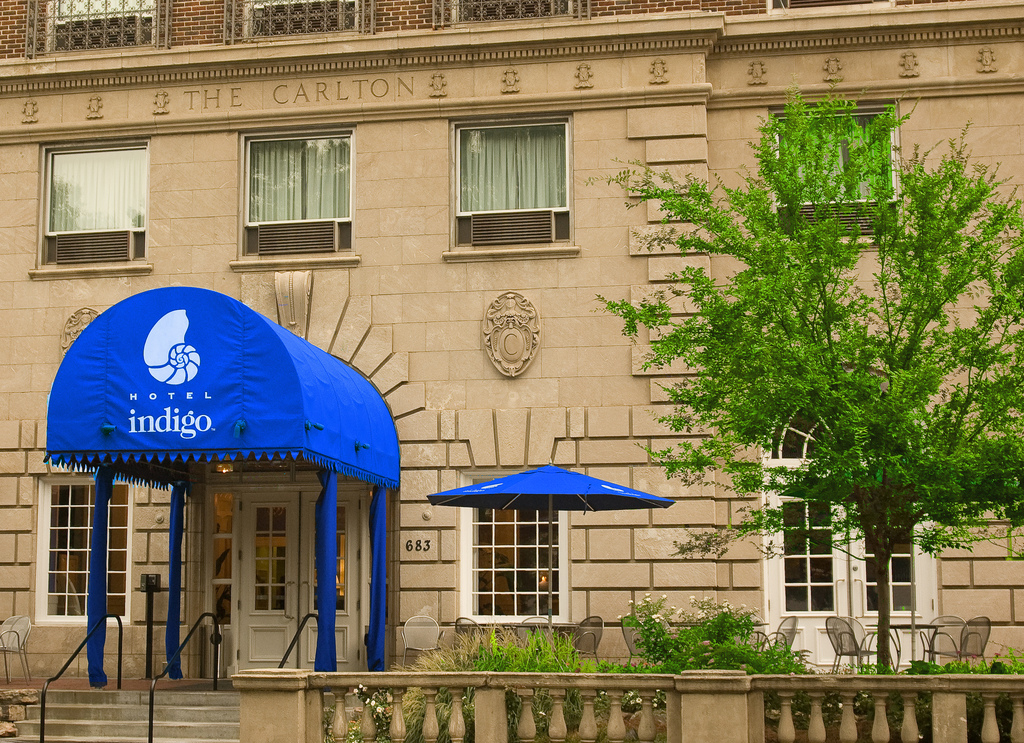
974 638
420 633
586 636
944 638
845 641
785 634
14 634
629 634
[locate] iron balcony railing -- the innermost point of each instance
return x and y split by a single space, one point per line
447 12
253 20
83 25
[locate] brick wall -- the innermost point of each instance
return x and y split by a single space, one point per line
197 22
202 21
13 25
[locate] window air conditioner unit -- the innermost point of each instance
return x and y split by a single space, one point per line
95 247
282 238
513 228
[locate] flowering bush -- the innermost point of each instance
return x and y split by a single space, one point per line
709 636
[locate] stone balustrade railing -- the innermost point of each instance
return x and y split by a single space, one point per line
288 706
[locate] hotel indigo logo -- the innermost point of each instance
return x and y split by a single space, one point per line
170 359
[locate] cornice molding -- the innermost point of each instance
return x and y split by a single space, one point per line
358 54
868 26
804 43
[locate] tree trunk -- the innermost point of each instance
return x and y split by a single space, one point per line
882 565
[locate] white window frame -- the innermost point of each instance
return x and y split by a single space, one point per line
137 250
345 223
467 559
872 109
561 212
42 593
849 574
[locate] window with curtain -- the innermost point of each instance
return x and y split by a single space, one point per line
299 179
97 191
513 184
299 196
512 167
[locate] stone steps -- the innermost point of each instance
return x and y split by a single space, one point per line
87 716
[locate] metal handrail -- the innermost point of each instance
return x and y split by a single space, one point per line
295 637
215 640
102 623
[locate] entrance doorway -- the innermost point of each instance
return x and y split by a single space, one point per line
270 587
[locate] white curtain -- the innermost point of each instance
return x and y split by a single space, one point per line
520 167
91 191
299 179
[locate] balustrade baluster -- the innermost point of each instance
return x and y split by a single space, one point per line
616 725
430 726
1017 728
367 727
848 725
527 728
880 727
397 716
456 723
339 726
556 729
989 726
816 725
787 733
646 730
588 723
909 732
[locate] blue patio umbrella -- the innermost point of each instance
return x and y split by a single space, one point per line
551 488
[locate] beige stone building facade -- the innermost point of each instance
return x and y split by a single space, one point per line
333 166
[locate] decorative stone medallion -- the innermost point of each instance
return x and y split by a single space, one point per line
833 70
161 103
908 65
583 76
74 326
757 71
511 333
438 85
30 112
95 108
659 72
510 81
987 60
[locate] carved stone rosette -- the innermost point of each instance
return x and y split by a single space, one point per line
511 333
74 327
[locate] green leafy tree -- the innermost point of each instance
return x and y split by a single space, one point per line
877 299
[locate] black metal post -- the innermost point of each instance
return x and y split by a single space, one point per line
150 585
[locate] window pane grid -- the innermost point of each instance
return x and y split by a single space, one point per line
270 549
899 580
808 576
71 508
511 570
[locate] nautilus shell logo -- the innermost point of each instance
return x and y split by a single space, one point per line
170 359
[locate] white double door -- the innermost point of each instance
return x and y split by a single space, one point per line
813 580
276 579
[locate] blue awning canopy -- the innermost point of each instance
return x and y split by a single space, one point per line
181 374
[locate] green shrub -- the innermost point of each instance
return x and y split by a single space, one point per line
712 636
